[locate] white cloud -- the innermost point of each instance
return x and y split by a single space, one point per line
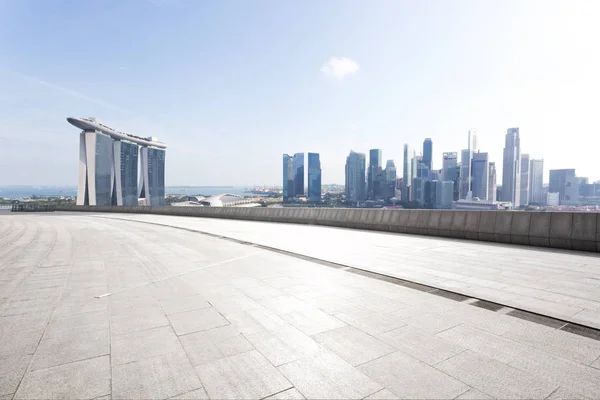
339 67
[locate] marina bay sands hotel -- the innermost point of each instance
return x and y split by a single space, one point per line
117 168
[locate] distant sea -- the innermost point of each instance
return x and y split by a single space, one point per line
20 192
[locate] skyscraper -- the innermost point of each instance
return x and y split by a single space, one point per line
374 170
524 195
355 177
465 164
299 174
565 183
288 177
390 171
314 177
492 182
536 181
480 175
428 153
409 165
108 166
511 171
449 163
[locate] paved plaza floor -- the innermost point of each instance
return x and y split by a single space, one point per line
95 306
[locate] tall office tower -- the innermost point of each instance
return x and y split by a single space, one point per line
108 166
299 174
511 171
390 171
480 175
449 162
492 182
465 164
524 195
423 171
288 177
428 153
565 183
355 177
314 177
536 181
409 162
435 174
444 194
374 169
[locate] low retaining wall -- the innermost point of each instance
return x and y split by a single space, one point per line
565 230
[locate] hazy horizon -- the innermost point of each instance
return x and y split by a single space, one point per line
230 86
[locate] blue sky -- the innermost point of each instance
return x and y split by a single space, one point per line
231 85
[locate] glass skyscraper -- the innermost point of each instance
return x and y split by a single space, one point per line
126 181
103 162
314 177
355 177
536 181
374 170
511 171
288 177
299 174
428 153
480 175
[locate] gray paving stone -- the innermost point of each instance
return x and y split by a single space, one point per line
326 376
596 364
84 322
140 345
66 348
243 376
312 321
379 303
284 304
382 395
19 344
433 323
11 372
498 379
197 320
284 345
353 345
214 344
474 394
182 304
198 394
85 379
421 345
72 307
564 394
568 374
160 377
290 394
369 321
12 324
256 320
137 321
409 378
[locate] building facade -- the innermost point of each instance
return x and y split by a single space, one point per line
525 175
314 177
409 171
428 153
117 168
355 177
288 177
492 182
511 171
565 183
299 174
466 164
536 182
390 171
374 170
449 163
480 175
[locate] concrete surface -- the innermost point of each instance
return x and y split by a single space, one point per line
95 307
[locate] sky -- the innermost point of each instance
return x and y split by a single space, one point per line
232 85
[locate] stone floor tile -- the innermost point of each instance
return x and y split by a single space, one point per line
160 377
312 321
289 394
261 292
409 378
198 394
596 364
18 345
284 304
12 324
137 321
326 376
284 345
485 343
12 370
197 320
564 394
474 394
353 345
379 304
421 345
369 321
214 344
382 395
66 308
66 348
85 379
433 323
136 346
81 323
495 378
255 321
242 376
181 304
573 376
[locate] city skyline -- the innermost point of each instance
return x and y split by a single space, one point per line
265 84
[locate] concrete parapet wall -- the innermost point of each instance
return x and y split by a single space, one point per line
565 230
